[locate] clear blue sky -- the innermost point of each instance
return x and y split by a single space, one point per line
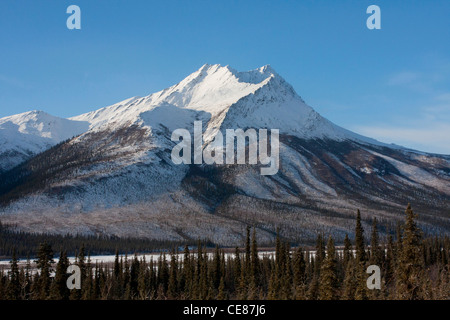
392 84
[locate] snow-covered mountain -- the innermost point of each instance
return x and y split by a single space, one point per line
117 177
259 98
27 134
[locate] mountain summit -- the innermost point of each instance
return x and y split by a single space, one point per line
258 98
29 133
115 176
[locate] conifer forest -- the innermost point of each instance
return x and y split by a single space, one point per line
413 267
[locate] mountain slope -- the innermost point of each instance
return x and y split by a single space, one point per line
26 134
258 98
117 176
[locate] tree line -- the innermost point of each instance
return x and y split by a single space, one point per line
412 267
26 244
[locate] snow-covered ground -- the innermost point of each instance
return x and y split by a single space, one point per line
105 259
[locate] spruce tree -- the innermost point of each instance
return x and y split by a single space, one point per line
247 251
88 286
360 263
237 268
286 276
254 263
410 265
313 289
299 268
274 286
186 275
328 284
13 288
44 264
26 285
96 290
320 250
221 294
204 280
217 268
134 275
117 277
58 289
376 254
361 291
173 275
350 283
359 240
143 280
347 253
389 265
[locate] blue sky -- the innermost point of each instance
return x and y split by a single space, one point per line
392 84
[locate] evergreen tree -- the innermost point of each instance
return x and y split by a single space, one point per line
349 284
313 289
163 273
221 295
360 263
390 262
97 287
237 268
247 251
13 288
186 275
359 240
347 253
274 286
217 268
88 285
134 275
320 250
58 288
410 266
254 263
204 277
117 269
117 281
44 264
27 281
143 280
286 277
299 267
361 281
376 254
173 272
328 284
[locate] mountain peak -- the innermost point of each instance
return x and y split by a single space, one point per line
28 114
254 76
255 98
267 70
35 112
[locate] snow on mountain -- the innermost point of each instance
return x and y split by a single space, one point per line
117 177
210 89
259 98
29 133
